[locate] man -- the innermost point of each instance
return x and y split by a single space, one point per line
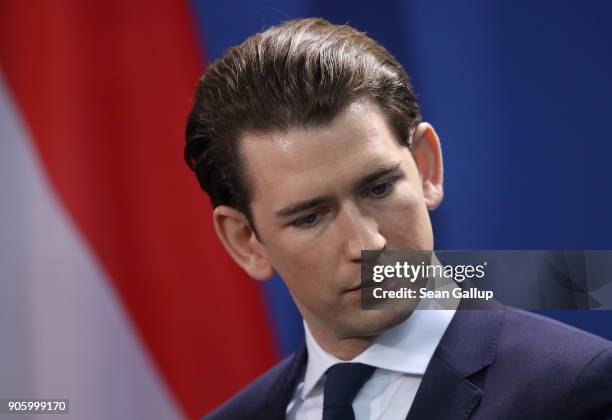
309 141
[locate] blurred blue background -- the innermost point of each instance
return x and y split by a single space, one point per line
519 93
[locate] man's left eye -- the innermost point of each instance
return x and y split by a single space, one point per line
381 190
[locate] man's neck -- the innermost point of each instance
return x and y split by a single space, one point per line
342 348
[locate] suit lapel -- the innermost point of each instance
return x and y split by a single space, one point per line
281 393
453 383
444 394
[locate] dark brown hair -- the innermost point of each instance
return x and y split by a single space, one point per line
301 73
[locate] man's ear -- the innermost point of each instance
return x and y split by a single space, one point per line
428 157
240 241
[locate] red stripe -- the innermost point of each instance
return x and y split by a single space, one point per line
105 88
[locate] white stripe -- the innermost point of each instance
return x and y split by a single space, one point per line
63 331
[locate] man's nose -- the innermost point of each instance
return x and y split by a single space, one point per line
360 232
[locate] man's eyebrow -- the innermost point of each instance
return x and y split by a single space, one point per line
300 206
380 172
303 205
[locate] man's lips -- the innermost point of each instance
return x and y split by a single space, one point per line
359 287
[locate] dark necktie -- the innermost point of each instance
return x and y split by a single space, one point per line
342 383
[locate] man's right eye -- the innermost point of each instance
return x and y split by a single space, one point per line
307 221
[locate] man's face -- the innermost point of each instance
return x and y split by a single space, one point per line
320 196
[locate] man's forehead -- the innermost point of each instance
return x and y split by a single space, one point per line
304 152
360 125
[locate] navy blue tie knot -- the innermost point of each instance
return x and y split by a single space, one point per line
342 383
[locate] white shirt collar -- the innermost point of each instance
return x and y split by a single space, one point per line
406 348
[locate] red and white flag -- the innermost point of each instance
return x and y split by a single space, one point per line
114 292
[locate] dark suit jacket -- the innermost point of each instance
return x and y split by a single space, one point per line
490 365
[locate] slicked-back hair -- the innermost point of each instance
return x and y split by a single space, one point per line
299 74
